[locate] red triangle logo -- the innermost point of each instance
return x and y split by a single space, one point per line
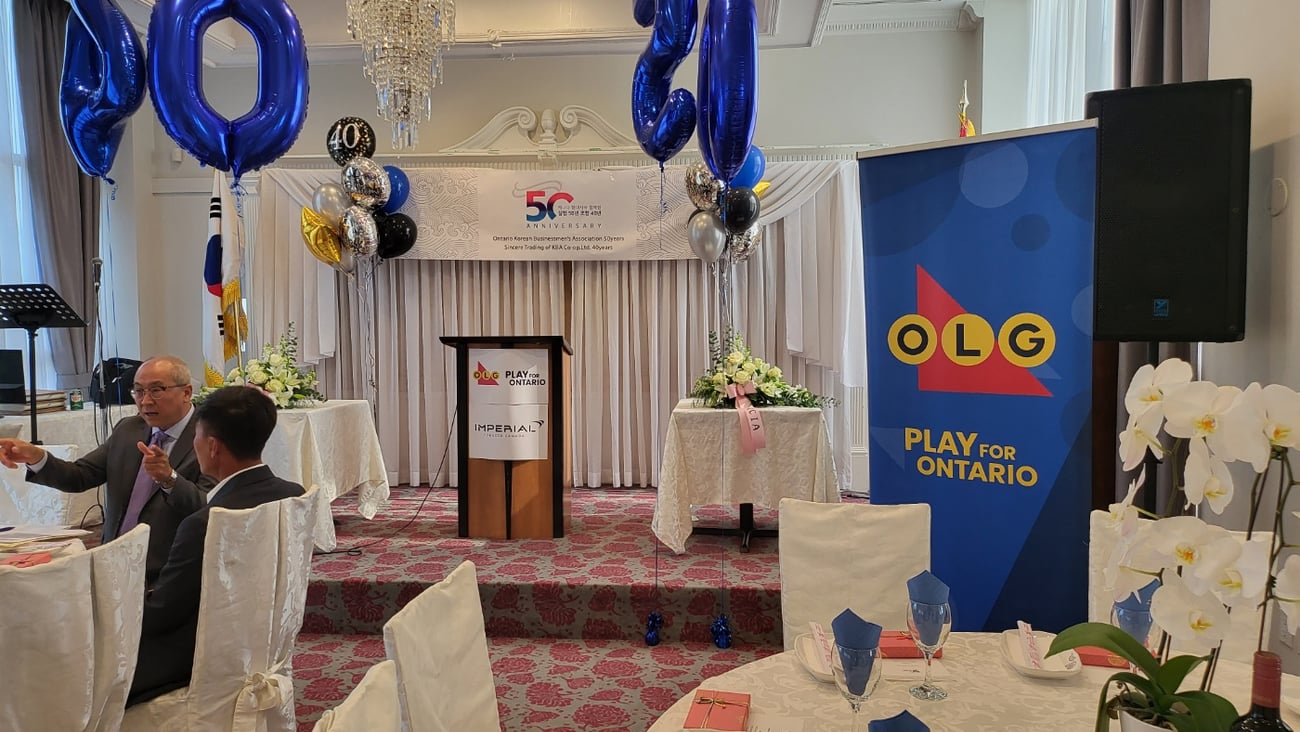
484 376
995 375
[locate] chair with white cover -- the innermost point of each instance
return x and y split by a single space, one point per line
256 563
849 555
22 502
69 635
444 677
371 707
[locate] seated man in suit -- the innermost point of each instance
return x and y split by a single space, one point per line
147 464
232 426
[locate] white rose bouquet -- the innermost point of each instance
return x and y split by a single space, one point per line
277 373
737 365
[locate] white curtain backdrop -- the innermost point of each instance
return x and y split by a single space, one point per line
639 329
1071 53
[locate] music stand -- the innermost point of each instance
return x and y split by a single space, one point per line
32 307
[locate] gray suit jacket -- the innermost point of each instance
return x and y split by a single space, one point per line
115 465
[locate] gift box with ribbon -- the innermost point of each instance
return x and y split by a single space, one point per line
899 644
724 711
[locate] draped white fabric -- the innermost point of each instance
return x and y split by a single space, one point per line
1071 52
639 328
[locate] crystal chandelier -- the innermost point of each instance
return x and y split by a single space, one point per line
401 46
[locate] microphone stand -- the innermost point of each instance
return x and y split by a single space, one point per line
102 419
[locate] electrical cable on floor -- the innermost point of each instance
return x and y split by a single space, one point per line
356 550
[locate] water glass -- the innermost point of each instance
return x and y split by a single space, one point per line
857 672
929 626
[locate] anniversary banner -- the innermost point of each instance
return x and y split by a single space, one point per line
979 258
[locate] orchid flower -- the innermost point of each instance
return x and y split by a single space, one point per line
1207 478
1199 620
1141 434
1196 410
1123 515
1282 416
1286 590
1242 583
1151 383
1190 543
1243 428
1132 564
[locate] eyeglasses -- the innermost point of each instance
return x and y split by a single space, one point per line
154 392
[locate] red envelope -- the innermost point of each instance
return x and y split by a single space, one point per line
898 644
1094 656
726 711
25 560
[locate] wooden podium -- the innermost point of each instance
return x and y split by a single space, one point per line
515 475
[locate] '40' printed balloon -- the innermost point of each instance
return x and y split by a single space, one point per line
269 129
103 82
663 117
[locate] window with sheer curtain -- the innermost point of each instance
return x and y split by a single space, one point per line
1071 53
17 244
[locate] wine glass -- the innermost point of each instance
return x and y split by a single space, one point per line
929 626
857 672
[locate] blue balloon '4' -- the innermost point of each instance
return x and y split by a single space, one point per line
103 82
268 130
663 119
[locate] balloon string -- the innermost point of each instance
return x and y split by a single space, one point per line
663 204
237 192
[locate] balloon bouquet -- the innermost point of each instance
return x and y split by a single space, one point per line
358 217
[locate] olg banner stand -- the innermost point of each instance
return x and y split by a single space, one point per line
512 422
979 260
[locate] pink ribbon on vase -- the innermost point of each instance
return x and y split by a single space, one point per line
752 435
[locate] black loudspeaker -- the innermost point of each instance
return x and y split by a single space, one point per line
119 377
13 384
1173 169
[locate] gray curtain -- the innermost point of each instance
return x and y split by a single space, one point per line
1156 42
65 201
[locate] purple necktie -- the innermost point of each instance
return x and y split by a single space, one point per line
144 488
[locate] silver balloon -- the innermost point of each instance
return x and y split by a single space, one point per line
347 262
707 236
360 234
741 245
367 182
330 201
702 187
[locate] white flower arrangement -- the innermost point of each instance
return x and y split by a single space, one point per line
737 365
277 373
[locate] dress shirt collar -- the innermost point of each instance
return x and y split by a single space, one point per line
176 430
217 488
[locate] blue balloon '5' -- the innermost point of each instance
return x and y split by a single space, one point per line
269 129
663 120
103 82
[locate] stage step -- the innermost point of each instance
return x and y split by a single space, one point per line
543 685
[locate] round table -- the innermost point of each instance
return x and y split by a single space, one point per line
984 693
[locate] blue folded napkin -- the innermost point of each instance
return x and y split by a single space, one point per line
1140 600
857 643
927 588
901 722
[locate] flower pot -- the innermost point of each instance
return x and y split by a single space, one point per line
1129 723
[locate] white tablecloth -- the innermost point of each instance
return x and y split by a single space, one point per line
984 693
332 445
703 464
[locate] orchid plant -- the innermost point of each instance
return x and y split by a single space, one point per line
1204 570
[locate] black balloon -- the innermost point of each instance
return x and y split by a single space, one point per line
396 234
739 209
350 137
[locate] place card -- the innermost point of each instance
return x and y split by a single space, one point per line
912 669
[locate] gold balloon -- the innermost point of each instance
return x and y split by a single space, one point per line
320 239
761 187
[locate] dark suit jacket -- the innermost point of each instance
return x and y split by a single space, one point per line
115 465
171 609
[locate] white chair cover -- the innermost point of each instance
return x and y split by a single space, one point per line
371 707
69 636
849 555
28 503
444 677
256 564
1242 636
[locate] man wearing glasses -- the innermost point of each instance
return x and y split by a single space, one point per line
147 464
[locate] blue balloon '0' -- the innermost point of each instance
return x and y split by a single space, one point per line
728 85
663 117
269 129
401 189
103 82
643 11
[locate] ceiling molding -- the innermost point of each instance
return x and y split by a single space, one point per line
544 135
901 24
819 27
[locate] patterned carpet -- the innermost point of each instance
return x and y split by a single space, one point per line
565 618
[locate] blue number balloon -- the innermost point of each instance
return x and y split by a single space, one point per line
103 82
401 189
269 129
728 89
643 11
663 117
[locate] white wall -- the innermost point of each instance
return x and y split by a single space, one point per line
884 88
1004 58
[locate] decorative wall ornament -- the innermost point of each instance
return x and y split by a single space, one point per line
572 128
402 42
